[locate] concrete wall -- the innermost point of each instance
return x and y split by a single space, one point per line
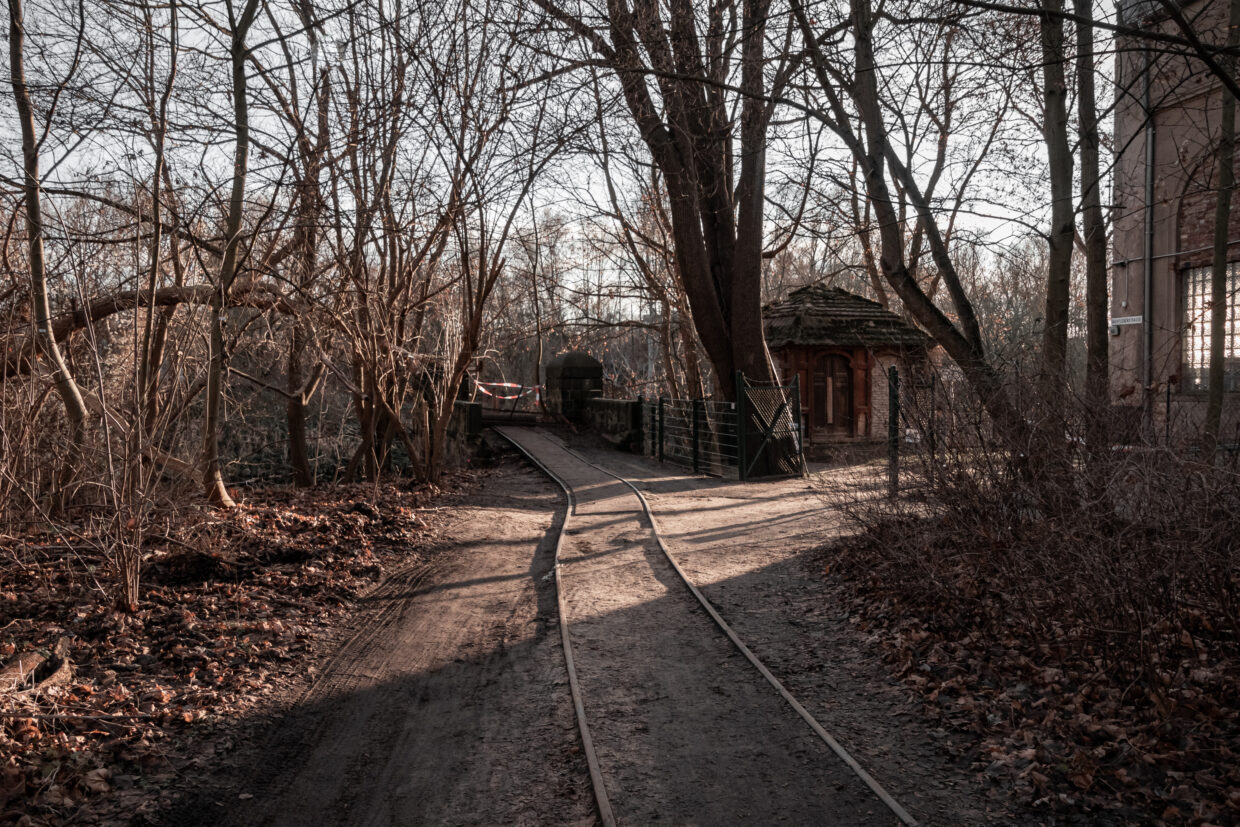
466 418
617 420
572 378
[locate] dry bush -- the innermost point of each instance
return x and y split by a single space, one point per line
1089 600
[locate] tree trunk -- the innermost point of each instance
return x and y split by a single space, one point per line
309 211
152 334
1063 226
749 353
213 480
444 404
861 221
716 213
1097 341
1219 304
538 336
295 410
154 356
62 378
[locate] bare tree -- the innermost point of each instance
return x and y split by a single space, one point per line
304 103
1093 223
500 135
237 31
66 386
675 65
870 145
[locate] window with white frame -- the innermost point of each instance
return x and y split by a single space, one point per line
1197 329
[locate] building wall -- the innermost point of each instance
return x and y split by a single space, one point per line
870 386
879 396
1185 101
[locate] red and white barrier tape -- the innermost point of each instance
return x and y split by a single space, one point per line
526 390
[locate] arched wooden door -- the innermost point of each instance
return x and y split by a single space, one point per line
832 399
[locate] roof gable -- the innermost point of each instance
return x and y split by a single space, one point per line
829 316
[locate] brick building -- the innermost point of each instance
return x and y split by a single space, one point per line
1167 124
839 346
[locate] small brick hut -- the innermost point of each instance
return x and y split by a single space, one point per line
840 345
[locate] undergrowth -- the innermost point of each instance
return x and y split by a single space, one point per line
1089 639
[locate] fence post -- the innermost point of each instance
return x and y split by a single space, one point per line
742 422
934 427
1167 417
697 405
654 426
641 423
893 431
796 421
660 429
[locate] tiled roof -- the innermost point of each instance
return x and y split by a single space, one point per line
817 315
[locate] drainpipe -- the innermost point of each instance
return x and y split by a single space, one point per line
1147 321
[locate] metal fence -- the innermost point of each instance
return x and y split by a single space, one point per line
757 436
695 433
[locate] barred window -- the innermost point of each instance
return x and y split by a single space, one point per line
1197 329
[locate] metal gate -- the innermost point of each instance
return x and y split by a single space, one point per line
757 436
770 432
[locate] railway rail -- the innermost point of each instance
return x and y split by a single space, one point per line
537 449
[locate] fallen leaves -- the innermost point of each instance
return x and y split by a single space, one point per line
232 606
1075 716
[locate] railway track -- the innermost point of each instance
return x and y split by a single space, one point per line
700 760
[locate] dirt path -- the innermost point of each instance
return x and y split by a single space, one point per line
749 546
451 703
450 706
687 731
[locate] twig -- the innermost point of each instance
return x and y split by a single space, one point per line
70 716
